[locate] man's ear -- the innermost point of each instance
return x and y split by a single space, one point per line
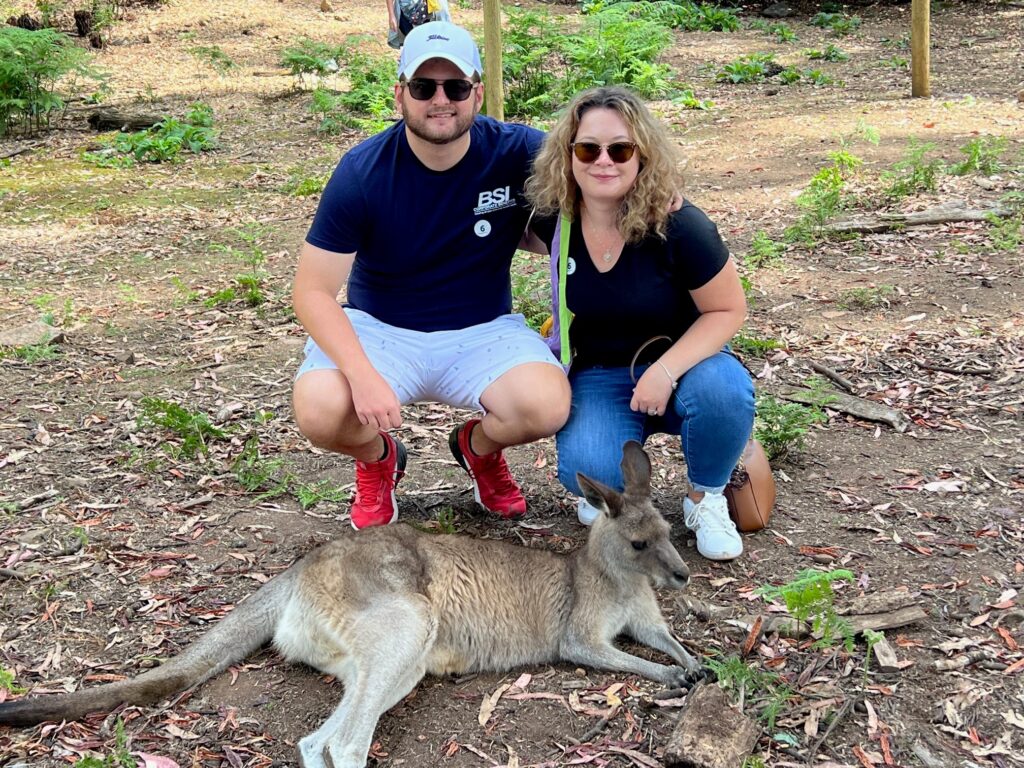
478 97
398 99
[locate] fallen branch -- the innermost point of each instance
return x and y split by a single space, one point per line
15 152
847 705
976 371
942 215
838 378
855 406
889 620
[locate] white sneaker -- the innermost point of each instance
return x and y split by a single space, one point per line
717 537
586 512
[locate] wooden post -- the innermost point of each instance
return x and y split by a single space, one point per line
919 48
494 92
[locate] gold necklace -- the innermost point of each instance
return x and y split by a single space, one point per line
607 255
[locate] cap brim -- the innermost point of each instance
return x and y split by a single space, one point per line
410 69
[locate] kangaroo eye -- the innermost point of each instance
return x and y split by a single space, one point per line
639 546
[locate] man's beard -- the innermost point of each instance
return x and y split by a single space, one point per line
420 127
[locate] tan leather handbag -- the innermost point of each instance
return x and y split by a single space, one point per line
751 489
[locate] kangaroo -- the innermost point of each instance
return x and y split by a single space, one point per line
381 608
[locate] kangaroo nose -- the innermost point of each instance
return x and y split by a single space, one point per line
681 576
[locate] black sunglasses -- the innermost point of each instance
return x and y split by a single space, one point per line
618 151
421 89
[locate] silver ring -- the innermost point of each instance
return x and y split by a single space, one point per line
652 412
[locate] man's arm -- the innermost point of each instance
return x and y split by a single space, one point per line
318 280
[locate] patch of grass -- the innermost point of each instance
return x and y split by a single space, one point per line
764 252
789 75
676 14
810 597
163 143
310 57
1005 233
982 156
829 53
192 428
301 184
250 285
914 174
268 479
817 77
30 353
311 494
185 295
781 427
781 32
752 68
868 297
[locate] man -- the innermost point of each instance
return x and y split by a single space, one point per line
422 220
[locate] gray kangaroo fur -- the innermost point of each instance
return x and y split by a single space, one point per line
381 608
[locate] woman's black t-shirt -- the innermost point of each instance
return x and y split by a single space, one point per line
645 293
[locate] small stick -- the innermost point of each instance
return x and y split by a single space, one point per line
979 371
838 378
847 705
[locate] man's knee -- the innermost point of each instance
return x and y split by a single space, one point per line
323 412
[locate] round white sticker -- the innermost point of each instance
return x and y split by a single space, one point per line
482 228
570 266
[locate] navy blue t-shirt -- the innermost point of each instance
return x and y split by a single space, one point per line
433 248
645 294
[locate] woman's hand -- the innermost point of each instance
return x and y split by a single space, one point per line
374 401
652 392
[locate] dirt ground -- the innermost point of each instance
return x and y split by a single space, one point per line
116 548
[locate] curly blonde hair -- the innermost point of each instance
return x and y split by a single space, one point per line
645 208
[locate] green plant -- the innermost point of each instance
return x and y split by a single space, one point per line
7 682
753 345
752 68
829 53
162 143
781 427
446 520
193 428
300 184
868 297
675 14
250 284
982 156
310 57
121 757
913 174
186 295
872 638
753 761
687 99
817 77
839 23
789 75
531 295
764 252
823 197
531 60
1005 233
214 57
767 691
49 10
32 64
896 62
310 494
221 297
781 32
810 597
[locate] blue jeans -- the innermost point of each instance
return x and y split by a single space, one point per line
712 410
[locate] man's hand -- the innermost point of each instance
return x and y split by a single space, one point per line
375 402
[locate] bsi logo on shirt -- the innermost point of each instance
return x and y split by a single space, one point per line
494 199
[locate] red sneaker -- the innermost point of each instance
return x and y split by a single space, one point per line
493 486
375 502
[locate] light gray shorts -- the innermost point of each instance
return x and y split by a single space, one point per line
453 367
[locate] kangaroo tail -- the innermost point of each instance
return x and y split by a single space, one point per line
251 624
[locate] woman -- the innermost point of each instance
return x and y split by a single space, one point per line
636 272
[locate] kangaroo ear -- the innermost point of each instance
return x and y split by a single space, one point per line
606 499
636 469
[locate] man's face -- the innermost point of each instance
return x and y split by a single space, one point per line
438 120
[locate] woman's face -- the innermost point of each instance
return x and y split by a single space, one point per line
604 180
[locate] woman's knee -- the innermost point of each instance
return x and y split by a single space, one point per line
718 386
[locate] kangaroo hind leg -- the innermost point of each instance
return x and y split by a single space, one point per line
387 646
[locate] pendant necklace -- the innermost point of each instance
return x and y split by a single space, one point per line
607 256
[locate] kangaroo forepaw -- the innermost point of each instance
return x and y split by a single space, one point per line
685 677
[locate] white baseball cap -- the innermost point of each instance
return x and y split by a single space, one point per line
439 40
